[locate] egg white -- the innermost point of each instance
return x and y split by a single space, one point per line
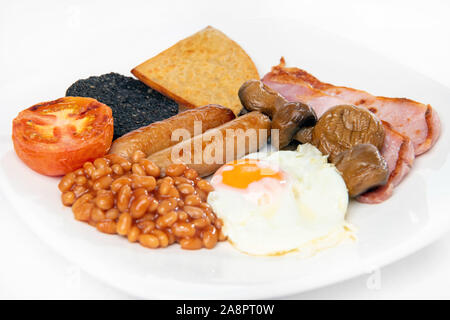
304 213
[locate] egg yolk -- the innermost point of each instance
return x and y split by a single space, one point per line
245 171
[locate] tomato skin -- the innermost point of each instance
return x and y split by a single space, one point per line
59 158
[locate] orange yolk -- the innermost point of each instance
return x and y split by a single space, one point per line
246 171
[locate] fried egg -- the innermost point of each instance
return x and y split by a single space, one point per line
279 202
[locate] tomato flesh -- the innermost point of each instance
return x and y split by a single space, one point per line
56 137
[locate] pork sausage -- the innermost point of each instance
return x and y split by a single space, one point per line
158 135
207 152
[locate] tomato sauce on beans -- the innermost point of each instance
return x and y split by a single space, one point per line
133 199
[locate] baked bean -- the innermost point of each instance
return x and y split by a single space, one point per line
167 220
162 237
104 199
101 163
204 185
137 155
175 169
92 223
79 172
79 191
206 207
66 183
133 234
83 211
164 188
182 216
170 236
194 212
139 206
68 198
116 159
137 169
119 183
126 165
173 192
124 224
84 198
149 241
117 169
140 192
169 180
186 188
147 216
146 226
77 205
123 198
210 237
191 174
107 226
112 214
211 217
150 168
167 205
192 200
180 180
102 183
97 214
100 172
80 180
183 229
191 243
153 204
202 194
138 181
89 168
200 223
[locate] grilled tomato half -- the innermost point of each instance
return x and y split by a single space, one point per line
57 137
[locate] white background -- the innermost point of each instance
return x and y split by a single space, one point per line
414 33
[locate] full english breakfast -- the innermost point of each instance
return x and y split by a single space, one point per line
198 150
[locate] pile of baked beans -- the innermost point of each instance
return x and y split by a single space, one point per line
133 199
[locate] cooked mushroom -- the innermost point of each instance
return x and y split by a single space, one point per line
304 135
342 127
256 96
290 118
287 117
362 168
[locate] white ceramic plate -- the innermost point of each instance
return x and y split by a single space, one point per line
416 215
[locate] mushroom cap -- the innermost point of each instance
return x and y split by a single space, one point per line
344 126
304 135
362 168
256 96
289 118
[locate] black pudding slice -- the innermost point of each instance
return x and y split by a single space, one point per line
133 104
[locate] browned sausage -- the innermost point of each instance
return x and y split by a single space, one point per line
157 136
207 152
